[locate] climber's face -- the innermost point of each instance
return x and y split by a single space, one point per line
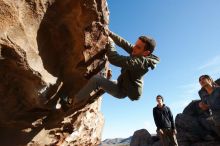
138 49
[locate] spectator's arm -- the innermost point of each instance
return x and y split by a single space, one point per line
171 119
156 121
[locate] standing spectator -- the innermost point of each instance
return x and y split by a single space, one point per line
163 119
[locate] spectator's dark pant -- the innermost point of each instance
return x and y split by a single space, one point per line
214 122
216 119
168 138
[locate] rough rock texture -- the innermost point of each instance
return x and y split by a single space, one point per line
195 128
46 46
143 138
140 138
81 128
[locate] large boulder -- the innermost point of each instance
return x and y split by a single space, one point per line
195 127
140 138
143 138
49 47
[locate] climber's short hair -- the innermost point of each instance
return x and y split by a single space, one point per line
205 76
150 43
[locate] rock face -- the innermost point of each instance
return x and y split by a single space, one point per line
143 138
195 128
49 47
81 128
140 138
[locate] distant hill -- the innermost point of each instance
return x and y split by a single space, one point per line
116 142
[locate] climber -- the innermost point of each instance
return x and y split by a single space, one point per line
210 96
133 68
163 119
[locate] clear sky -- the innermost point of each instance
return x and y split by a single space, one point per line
188 43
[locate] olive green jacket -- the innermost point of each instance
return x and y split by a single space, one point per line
132 68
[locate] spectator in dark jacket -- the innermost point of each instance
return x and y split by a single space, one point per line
204 94
164 121
210 96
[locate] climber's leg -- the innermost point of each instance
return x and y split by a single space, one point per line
96 82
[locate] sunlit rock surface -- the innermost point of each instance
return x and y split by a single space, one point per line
49 47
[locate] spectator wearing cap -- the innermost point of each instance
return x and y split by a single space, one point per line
163 119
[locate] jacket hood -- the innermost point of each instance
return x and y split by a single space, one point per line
153 61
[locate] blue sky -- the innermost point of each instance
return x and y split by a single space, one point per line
188 43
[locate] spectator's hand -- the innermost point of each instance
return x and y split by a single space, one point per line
109 74
160 131
174 132
203 106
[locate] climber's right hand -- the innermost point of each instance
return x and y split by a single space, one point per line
104 28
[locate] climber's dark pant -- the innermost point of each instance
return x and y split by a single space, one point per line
96 82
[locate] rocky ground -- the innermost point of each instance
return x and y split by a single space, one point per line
193 129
